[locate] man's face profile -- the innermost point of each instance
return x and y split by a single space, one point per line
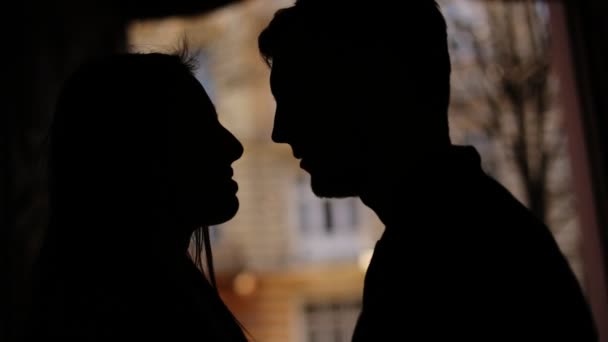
315 115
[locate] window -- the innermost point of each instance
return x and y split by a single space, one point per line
329 218
331 321
327 228
325 216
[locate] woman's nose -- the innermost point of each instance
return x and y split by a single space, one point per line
234 146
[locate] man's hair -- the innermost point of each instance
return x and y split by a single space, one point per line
403 40
404 25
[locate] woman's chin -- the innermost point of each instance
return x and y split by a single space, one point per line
222 211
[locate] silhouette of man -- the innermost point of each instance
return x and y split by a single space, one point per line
362 94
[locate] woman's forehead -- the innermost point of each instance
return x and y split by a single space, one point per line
191 97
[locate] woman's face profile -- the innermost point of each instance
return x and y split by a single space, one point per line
201 155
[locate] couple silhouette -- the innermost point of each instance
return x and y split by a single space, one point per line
139 163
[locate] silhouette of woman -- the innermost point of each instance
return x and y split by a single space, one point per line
138 163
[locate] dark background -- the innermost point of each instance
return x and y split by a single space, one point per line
44 41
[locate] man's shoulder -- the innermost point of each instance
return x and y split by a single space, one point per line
490 199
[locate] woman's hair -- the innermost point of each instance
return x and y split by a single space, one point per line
108 139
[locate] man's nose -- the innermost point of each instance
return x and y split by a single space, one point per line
279 128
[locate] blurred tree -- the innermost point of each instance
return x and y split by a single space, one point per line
504 86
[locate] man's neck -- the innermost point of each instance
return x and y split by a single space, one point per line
396 189
391 198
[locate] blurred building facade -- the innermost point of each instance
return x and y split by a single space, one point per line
290 265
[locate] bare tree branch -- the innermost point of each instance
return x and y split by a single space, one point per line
513 100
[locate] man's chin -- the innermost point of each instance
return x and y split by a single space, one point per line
332 187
